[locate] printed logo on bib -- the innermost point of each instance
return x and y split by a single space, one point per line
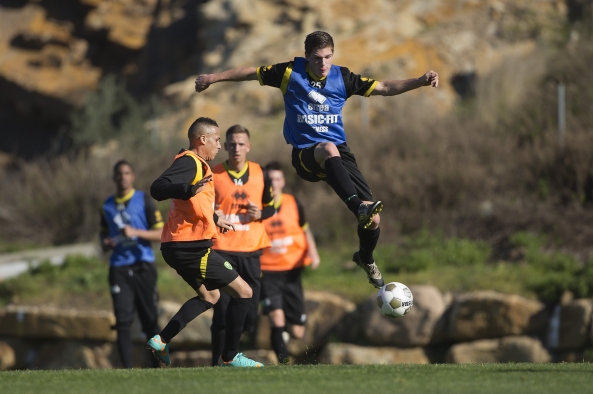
317 97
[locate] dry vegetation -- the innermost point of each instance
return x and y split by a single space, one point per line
487 170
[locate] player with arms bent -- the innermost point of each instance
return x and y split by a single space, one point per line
187 240
314 92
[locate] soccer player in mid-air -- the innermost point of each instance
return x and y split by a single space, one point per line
186 244
314 92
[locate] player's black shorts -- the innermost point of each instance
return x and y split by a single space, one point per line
200 266
283 290
303 160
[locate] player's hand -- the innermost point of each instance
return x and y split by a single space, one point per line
107 244
225 225
201 184
315 260
129 231
202 82
253 211
431 78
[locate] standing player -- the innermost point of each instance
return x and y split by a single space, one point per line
244 197
187 240
293 248
314 92
129 221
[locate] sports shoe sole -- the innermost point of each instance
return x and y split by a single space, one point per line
376 208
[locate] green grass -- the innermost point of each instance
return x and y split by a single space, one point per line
402 378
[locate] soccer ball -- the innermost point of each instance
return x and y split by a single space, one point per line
395 300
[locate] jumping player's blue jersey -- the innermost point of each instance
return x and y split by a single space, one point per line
128 250
314 114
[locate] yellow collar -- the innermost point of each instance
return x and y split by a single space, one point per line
315 77
127 197
235 174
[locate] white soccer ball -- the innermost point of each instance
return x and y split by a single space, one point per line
395 300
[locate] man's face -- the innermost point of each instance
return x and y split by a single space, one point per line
123 176
320 61
211 143
237 146
277 180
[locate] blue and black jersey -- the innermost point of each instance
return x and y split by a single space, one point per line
137 210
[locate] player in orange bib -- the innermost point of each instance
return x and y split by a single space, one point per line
293 248
244 197
187 240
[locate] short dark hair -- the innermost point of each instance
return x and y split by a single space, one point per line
237 129
318 40
121 163
192 131
273 166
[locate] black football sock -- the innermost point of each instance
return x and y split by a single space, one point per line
368 241
278 343
124 345
338 178
218 327
235 318
188 312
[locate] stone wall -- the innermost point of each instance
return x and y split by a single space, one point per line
482 326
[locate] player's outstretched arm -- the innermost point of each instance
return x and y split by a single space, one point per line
234 75
395 87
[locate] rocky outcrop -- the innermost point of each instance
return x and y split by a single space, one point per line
425 325
339 353
488 314
51 55
7 356
46 322
324 312
518 349
575 324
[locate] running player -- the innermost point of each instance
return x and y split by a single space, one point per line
129 222
314 93
244 197
293 248
187 240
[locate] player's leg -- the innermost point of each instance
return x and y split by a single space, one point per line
122 294
190 264
272 284
146 300
241 294
250 272
294 304
368 236
218 327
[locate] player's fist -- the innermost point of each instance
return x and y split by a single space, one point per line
225 225
201 184
202 82
253 211
431 78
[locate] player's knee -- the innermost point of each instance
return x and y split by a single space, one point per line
245 291
211 296
329 149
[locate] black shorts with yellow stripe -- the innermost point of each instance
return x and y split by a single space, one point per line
303 160
200 266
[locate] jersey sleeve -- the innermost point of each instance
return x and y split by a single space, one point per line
267 199
302 220
276 75
177 180
153 215
103 226
357 85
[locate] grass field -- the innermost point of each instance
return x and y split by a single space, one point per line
405 379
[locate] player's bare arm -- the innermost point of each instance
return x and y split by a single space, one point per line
224 224
203 81
149 235
395 87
